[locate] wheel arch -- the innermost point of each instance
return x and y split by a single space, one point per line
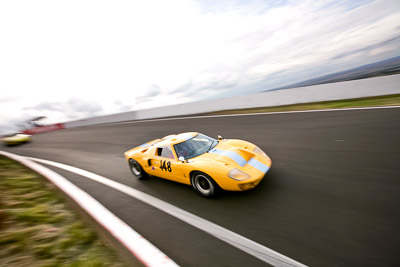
193 172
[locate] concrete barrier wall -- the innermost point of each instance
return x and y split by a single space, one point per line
385 85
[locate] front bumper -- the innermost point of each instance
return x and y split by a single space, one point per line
256 173
249 185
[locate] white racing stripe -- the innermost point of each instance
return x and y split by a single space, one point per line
143 250
257 250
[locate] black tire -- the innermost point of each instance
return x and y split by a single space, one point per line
204 185
136 169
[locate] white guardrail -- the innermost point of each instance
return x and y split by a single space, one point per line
385 85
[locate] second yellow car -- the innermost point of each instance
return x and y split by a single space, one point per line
15 138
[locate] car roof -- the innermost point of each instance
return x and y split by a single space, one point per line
176 138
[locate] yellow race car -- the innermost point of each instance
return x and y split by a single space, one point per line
201 161
15 139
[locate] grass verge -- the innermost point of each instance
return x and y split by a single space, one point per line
388 100
38 229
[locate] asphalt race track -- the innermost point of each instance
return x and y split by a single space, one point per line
331 198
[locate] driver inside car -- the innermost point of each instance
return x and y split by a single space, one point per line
183 150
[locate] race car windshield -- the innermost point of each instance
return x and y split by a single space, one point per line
196 146
11 134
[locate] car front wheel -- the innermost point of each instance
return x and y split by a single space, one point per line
136 169
204 185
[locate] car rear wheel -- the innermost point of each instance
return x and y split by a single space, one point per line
136 169
204 185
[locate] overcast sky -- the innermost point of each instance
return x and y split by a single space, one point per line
70 60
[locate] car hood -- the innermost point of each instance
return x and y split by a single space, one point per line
236 155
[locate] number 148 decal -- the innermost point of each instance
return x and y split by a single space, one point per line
165 165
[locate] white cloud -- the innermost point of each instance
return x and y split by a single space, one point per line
139 54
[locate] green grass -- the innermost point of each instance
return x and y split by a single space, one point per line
38 229
389 100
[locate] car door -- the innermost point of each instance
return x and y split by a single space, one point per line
164 164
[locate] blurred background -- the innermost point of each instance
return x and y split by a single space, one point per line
78 59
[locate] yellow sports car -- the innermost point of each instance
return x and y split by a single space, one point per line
201 161
15 138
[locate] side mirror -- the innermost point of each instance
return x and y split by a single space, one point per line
219 138
181 159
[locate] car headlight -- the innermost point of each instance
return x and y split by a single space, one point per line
259 151
238 175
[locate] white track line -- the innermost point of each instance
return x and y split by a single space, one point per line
257 250
142 249
251 114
